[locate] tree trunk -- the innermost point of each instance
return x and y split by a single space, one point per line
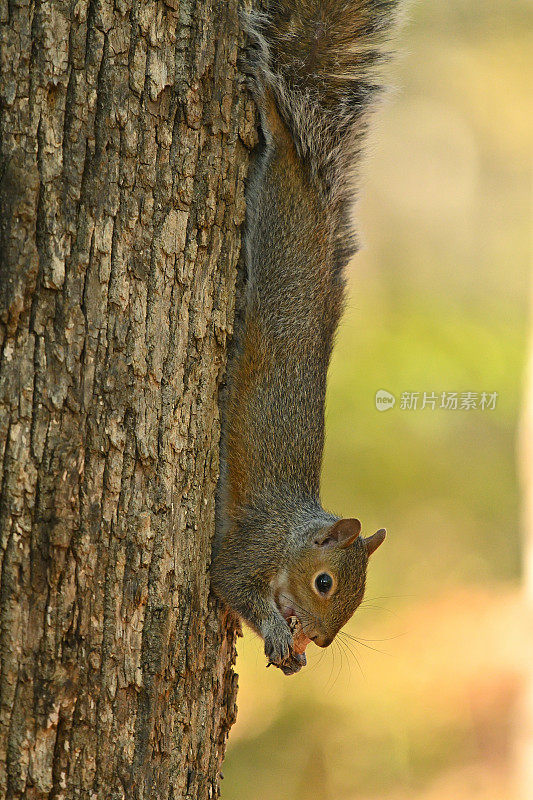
123 150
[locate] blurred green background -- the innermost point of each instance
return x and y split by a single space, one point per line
422 706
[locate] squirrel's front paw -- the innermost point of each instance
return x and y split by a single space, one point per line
293 663
278 643
279 649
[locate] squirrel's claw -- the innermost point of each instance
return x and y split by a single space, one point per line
278 644
291 665
279 650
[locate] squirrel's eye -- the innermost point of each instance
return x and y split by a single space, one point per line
323 583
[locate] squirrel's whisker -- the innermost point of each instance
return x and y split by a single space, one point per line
362 644
354 655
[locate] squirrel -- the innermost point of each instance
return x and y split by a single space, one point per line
279 559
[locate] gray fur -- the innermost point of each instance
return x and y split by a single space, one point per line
312 68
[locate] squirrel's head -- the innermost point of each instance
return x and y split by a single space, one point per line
325 584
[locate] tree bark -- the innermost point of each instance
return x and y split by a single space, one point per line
124 131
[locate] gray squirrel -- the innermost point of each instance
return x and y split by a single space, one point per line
294 572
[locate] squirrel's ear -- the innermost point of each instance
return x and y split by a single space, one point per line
342 534
373 542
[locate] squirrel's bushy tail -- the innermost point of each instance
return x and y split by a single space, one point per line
318 59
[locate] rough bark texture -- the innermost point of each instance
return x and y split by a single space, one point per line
123 148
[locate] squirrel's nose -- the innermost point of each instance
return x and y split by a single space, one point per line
322 641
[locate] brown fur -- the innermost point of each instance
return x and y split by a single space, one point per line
312 65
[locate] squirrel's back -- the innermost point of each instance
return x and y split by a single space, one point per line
320 60
315 72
